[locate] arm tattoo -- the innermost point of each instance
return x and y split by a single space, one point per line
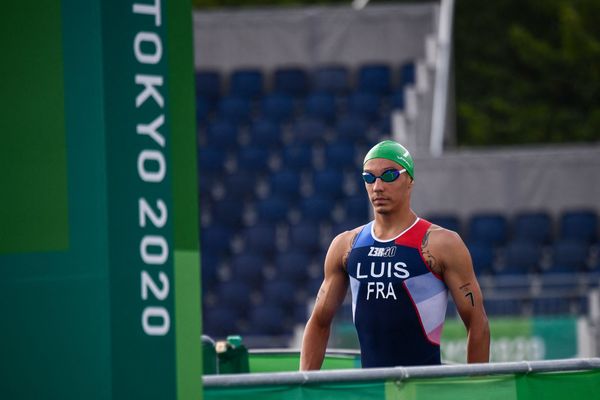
429 258
319 295
466 289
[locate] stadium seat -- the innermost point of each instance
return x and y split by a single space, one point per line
521 258
499 307
357 207
265 133
229 211
240 185
280 292
489 228
375 78
320 105
292 265
253 159
364 104
317 208
209 269
285 183
331 79
234 294
447 221
309 131
353 128
268 319
551 306
202 110
292 81
579 225
208 84
211 159
247 83
346 224
329 182
397 101
304 236
341 154
248 268
273 209
482 255
569 256
297 156
407 74
535 227
278 107
216 238
261 238
235 109
220 322
222 134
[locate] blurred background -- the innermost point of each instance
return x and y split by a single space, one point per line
498 102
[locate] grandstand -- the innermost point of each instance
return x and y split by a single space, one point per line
282 126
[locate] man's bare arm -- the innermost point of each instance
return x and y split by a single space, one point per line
331 295
456 269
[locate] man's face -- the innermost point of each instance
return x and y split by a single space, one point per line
387 197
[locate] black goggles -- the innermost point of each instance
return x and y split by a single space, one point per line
388 176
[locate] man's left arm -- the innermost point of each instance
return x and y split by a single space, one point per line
460 278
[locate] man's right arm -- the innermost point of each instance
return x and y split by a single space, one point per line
331 295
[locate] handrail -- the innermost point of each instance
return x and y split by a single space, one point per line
400 373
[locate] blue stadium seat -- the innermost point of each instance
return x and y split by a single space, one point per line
266 133
208 84
253 159
292 265
329 182
272 209
234 294
375 78
202 110
364 104
535 227
397 100
347 224
521 258
278 107
261 238
320 105
285 183
235 109
248 268
240 185
352 127
309 130
268 319
551 306
579 225
247 83
334 79
216 238
297 156
317 208
293 81
229 211
407 74
482 255
569 256
220 322
280 292
447 221
489 228
223 134
357 207
341 155
498 307
304 236
209 270
211 159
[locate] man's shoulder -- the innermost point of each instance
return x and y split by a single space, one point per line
442 237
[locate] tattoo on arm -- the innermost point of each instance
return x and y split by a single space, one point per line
466 289
319 295
429 258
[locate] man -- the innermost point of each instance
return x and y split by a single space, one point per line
399 268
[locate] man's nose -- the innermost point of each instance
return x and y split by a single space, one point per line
378 185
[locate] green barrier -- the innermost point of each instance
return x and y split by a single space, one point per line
545 385
286 360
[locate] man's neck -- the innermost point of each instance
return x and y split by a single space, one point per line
388 226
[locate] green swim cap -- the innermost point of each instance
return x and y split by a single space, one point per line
393 151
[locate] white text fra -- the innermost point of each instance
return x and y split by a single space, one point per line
378 290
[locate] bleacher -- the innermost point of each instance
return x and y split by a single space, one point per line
279 177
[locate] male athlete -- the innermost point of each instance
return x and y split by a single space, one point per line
399 268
